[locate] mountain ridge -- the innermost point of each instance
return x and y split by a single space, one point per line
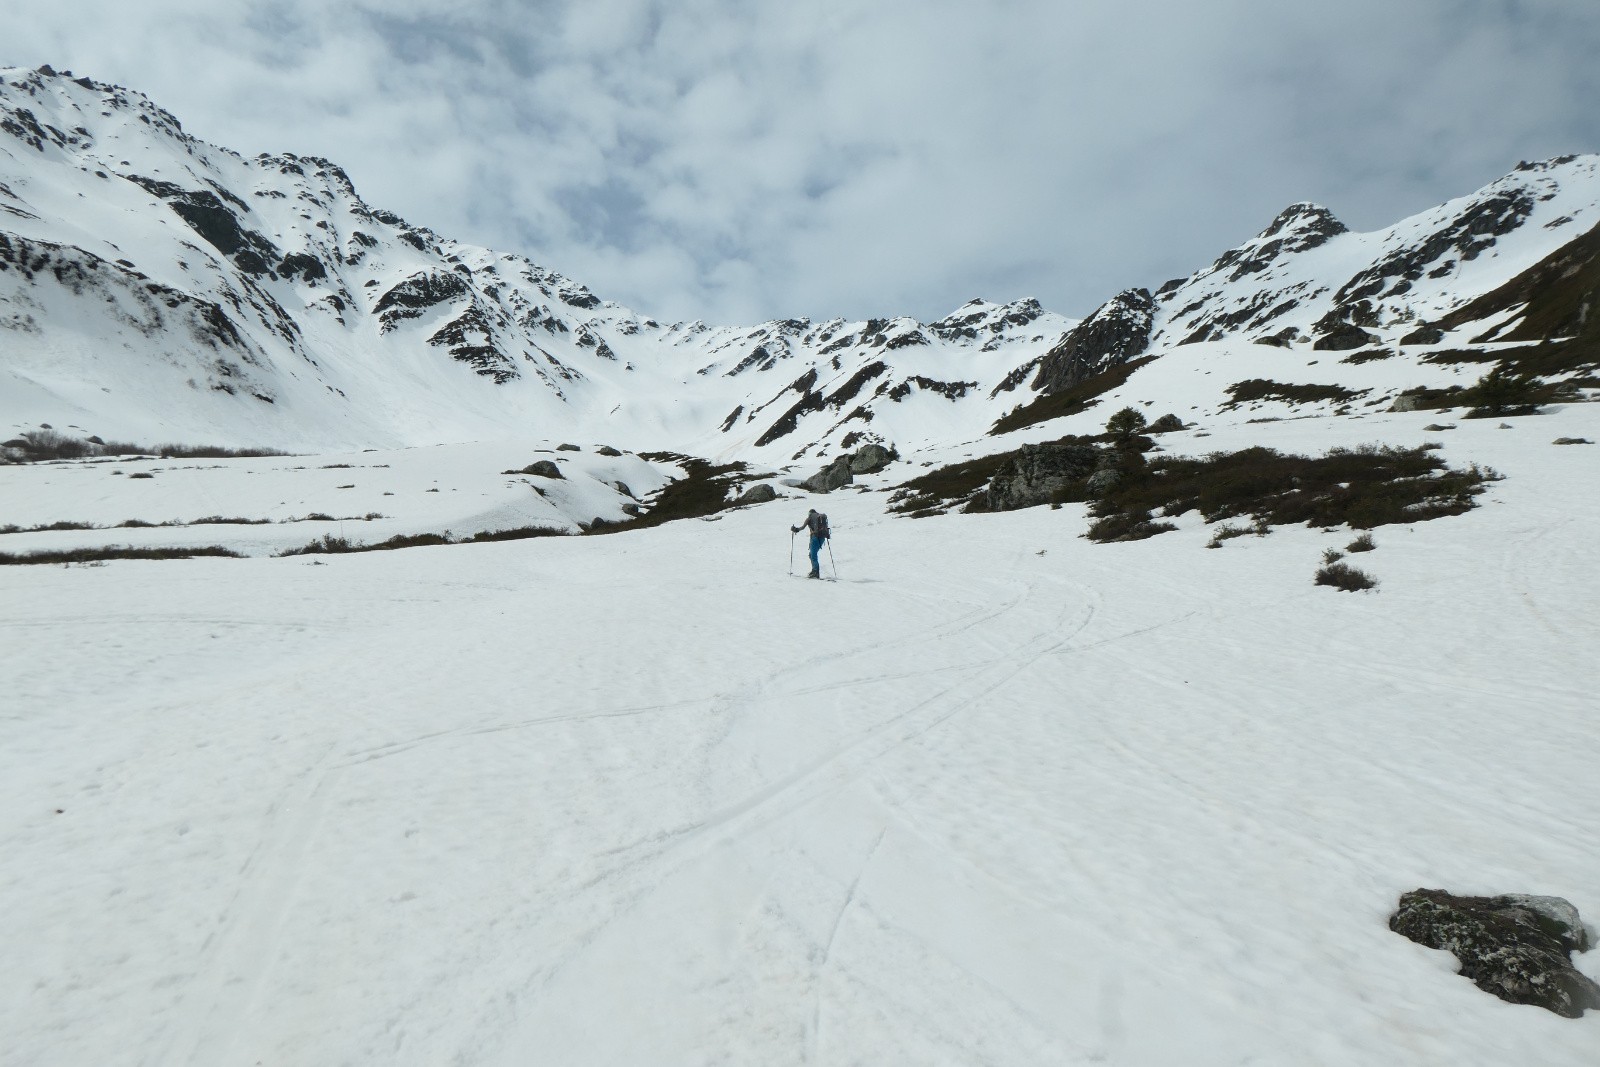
152 284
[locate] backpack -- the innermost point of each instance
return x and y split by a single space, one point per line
820 527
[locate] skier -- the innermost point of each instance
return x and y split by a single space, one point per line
817 523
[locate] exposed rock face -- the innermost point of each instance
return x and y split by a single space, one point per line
607 450
1118 331
1513 946
1298 228
1467 236
757 494
869 459
1038 473
1345 338
831 477
1165 424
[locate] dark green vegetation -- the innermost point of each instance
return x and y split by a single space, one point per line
1070 401
330 545
705 489
1343 576
1363 487
92 555
1253 390
45 444
209 520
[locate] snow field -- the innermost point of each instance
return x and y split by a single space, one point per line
646 799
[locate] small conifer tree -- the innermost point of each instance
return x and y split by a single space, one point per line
1125 425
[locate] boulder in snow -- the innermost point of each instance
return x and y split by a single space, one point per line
831 477
1038 472
757 494
869 459
1514 946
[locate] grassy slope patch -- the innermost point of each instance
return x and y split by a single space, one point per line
1080 397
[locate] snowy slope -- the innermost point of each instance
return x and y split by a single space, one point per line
998 795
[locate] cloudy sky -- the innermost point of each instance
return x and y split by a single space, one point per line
736 160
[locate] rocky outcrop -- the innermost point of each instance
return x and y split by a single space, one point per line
1298 228
1038 474
1118 331
871 458
1465 237
868 459
756 494
544 468
1513 946
834 476
1344 338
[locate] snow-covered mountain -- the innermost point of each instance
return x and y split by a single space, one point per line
158 287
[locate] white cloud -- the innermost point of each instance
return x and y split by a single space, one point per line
741 159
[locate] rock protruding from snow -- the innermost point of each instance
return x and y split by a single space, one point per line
870 459
1118 331
1514 946
759 493
1038 473
834 476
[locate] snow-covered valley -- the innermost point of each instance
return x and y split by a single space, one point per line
595 778
997 795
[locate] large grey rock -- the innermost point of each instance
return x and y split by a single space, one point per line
757 494
1344 337
1038 473
1514 946
869 459
545 468
831 477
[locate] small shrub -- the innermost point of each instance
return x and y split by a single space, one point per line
1126 526
1364 543
1343 576
141 474
1331 555
1226 533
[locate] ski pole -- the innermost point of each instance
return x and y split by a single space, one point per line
791 551
830 560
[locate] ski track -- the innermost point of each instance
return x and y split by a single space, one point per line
654 861
237 957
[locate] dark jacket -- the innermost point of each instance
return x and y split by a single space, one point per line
817 523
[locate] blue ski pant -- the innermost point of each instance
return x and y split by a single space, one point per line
816 546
